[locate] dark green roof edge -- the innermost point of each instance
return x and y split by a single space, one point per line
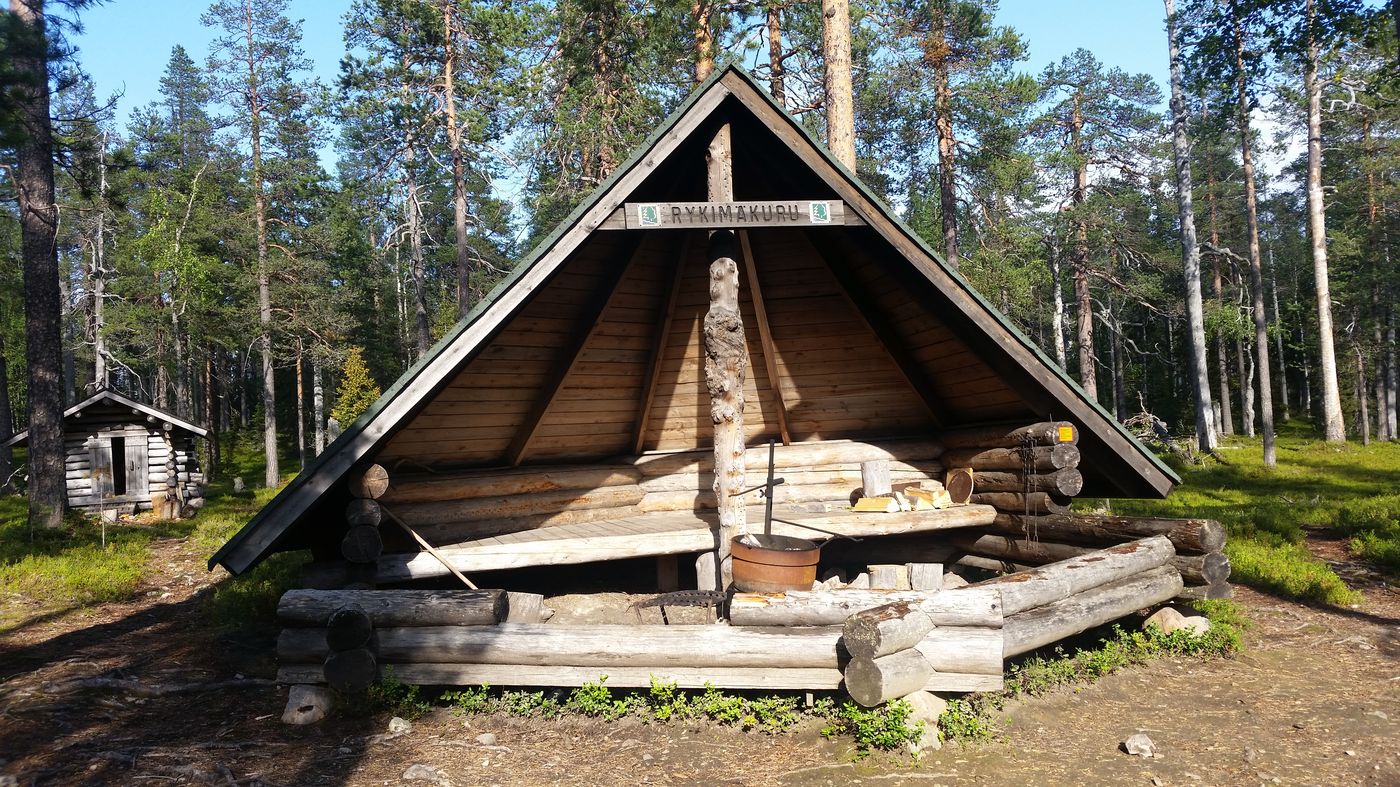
535 255
957 276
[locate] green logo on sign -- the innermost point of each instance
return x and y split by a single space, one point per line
821 213
649 215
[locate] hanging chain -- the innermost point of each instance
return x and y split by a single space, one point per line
1025 443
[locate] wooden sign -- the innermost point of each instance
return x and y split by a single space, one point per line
733 215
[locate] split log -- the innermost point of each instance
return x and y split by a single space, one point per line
888 577
1189 536
395 608
364 512
523 608
1080 612
1035 503
504 482
925 576
458 532
960 484
1056 581
1048 433
1218 591
873 681
875 478
586 645
1043 458
372 482
1065 483
884 630
848 453
348 628
362 544
766 678
350 670
901 473
969 606
704 500
1209 569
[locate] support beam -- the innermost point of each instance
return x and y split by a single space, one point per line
594 310
665 315
770 359
874 319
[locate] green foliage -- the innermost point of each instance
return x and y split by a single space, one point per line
965 720
885 727
357 389
471 701
388 694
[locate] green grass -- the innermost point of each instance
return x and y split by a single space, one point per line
1267 511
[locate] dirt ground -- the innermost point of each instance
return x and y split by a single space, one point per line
122 694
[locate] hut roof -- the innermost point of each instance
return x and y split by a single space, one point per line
1013 380
114 399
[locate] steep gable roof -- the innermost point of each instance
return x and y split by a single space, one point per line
1128 468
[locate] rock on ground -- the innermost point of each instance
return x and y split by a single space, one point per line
926 708
307 704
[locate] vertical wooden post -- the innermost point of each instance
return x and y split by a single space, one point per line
726 357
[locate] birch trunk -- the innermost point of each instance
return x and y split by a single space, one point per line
1334 425
318 404
1057 320
840 109
99 275
1278 338
301 407
1190 248
1246 371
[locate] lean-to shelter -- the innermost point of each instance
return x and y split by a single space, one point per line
571 405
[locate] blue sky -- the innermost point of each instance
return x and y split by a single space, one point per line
126 43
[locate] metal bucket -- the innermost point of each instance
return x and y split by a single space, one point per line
776 564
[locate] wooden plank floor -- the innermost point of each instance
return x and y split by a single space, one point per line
658 533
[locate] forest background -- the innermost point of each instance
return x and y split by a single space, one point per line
256 247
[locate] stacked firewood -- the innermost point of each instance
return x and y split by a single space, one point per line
1030 475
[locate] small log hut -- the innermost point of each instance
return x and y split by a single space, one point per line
730 285
122 457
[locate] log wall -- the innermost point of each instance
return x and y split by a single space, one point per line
95 426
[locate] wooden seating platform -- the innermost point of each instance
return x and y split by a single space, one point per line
658 533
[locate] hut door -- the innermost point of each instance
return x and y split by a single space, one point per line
119 466
137 473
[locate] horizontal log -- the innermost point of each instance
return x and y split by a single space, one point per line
1195 569
1065 483
1056 581
963 649
517 505
1188 536
765 678
967 606
587 645
871 681
1080 612
458 532
1035 503
1042 458
825 452
504 482
900 473
704 500
396 608
1047 433
872 633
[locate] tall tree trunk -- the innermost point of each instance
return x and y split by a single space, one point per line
840 102
7 426
211 417
1278 338
417 268
776 72
1079 261
1334 426
271 475
99 275
1391 372
1115 348
702 15
454 143
1363 418
1256 262
301 408
318 402
1057 319
1190 248
936 54
1227 422
38 229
